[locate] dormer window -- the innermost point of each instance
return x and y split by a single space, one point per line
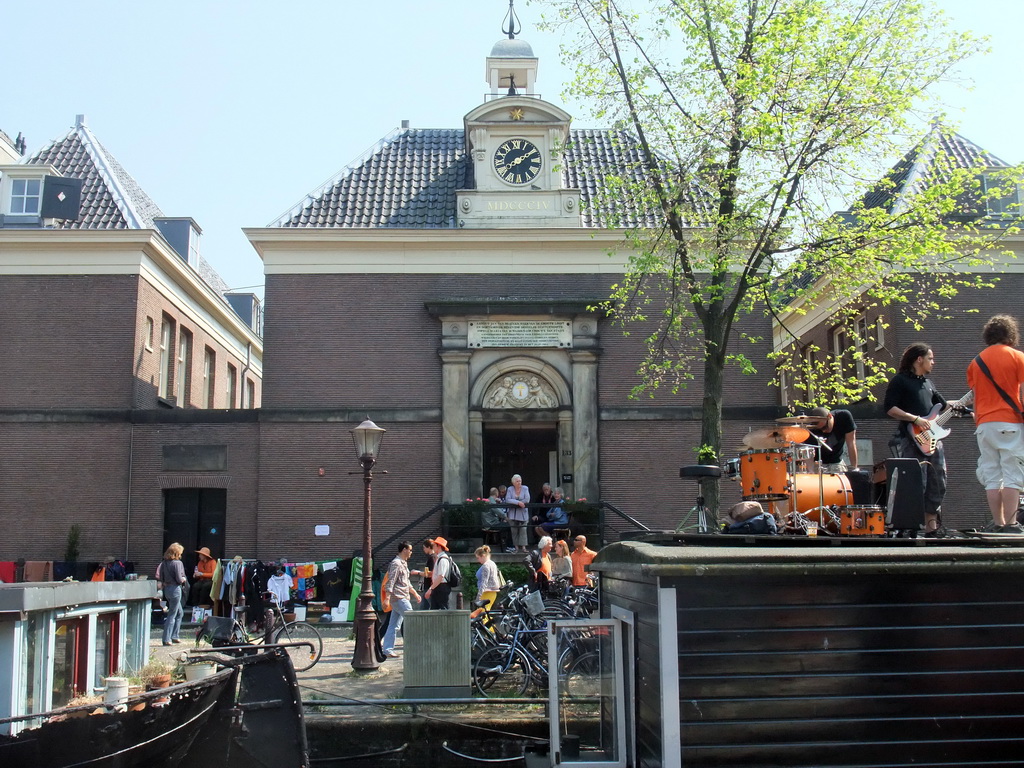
1005 195
26 195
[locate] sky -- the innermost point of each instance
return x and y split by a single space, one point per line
231 112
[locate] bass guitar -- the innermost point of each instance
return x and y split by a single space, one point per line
928 436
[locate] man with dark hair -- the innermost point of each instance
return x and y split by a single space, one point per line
996 377
909 399
834 431
397 594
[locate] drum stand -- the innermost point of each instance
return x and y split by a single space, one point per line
700 472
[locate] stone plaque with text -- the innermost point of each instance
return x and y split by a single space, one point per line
520 333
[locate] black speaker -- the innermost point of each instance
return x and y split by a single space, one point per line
904 506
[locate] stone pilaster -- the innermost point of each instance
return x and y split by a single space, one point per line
455 424
584 425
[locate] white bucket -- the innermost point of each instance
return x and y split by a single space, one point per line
117 690
199 671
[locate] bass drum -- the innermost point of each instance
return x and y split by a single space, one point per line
833 491
763 475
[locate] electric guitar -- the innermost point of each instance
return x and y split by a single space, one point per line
928 436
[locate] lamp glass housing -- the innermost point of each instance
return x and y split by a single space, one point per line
367 438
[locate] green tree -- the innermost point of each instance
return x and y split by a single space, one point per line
751 118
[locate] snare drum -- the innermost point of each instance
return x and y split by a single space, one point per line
833 491
805 456
732 469
862 520
763 475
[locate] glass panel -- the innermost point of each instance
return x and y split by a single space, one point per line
586 692
65 654
105 649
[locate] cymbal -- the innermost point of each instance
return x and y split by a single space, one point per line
799 420
774 437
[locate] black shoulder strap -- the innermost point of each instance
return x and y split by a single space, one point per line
1006 397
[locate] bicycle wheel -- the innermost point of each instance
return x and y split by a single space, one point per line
502 671
302 657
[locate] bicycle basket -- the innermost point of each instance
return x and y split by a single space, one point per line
216 630
534 603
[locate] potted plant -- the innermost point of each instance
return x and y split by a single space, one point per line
156 673
462 522
584 517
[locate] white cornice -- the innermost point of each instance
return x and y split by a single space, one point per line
414 251
140 252
815 315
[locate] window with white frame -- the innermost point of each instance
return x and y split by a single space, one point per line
250 393
26 196
861 348
232 386
810 366
209 378
184 367
1005 198
166 350
879 333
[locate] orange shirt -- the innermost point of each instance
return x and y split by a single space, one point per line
1006 365
581 560
206 568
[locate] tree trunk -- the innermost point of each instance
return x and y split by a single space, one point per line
711 422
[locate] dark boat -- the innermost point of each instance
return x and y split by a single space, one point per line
247 714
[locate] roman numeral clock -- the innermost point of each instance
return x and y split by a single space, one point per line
517 161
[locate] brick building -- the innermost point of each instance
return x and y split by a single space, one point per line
130 383
955 336
444 285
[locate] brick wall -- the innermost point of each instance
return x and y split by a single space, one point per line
63 340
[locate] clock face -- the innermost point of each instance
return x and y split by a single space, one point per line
517 161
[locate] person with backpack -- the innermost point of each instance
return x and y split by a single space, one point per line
445 575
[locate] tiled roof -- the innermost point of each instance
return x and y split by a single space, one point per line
926 164
411 178
111 198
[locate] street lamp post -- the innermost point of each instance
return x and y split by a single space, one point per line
367 437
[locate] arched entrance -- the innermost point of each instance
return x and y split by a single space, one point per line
524 392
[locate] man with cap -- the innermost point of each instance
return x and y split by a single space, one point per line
202 578
833 431
439 591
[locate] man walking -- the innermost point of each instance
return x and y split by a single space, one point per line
399 593
439 590
996 376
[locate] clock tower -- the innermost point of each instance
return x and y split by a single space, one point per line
515 140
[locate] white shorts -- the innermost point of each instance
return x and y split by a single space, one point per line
1001 446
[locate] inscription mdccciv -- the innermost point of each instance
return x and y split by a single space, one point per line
519 333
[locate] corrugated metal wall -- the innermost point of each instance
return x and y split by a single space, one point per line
852 667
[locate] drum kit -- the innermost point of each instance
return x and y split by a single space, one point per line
780 470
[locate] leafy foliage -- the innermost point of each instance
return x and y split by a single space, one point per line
751 118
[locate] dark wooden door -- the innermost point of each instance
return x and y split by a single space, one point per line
195 517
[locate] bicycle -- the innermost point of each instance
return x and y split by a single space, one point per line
301 640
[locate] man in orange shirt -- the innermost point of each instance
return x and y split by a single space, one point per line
581 560
997 413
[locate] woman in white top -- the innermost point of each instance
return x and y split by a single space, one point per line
488 581
516 498
561 562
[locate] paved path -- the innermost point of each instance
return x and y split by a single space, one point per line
331 677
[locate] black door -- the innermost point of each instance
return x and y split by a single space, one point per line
194 517
520 449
